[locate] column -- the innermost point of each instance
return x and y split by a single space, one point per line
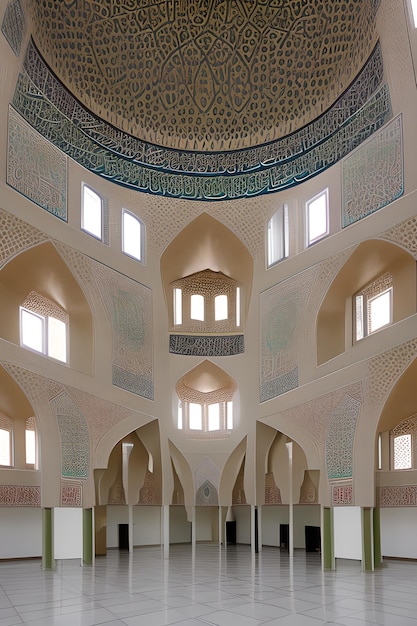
328 560
48 561
88 538
367 540
377 537
165 530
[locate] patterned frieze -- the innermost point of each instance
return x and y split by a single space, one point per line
340 437
75 439
372 176
71 494
35 167
399 495
20 495
201 345
342 495
277 165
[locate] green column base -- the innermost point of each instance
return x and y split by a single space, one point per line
48 561
87 536
327 541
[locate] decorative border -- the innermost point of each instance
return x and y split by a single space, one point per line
127 161
13 26
71 494
20 495
206 346
342 495
400 495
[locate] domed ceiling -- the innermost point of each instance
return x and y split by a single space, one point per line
205 75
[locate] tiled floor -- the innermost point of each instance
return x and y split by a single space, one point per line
207 586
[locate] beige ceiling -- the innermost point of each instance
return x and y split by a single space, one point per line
205 74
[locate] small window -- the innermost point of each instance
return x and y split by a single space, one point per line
220 308
214 417
197 307
373 307
237 307
317 215
413 6
92 213
5 447
195 416
133 231
44 334
177 306
402 452
30 447
278 236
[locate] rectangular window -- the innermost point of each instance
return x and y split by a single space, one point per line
413 5
317 216
379 311
5 447
278 236
195 416
220 308
57 339
214 417
402 452
45 335
92 212
32 330
30 447
179 416
177 306
229 411
237 306
132 235
197 307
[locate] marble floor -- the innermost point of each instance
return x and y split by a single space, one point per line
207 586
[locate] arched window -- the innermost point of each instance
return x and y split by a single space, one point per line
133 236
44 327
205 401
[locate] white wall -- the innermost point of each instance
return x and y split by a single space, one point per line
347 532
68 533
23 528
146 525
242 517
205 518
179 526
273 516
398 532
115 515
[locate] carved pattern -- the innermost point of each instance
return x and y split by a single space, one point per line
71 494
340 436
272 492
404 235
372 176
20 495
399 495
282 310
238 493
36 168
202 176
308 491
207 495
206 346
13 26
16 236
342 495
385 369
151 492
75 440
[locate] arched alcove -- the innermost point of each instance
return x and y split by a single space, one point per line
42 270
371 261
206 244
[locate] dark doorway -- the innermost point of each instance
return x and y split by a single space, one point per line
313 538
284 536
231 533
123 536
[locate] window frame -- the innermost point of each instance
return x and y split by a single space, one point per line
93 233
45 339
141 257
225 417
309 240
11 447
365 312
393 439
278 237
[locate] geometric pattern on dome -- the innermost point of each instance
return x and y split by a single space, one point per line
372 176
282 318
198 345
386 368
16 236
56 115
216 74
13 25
35 167
340 436
403 234
129 305
75 439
